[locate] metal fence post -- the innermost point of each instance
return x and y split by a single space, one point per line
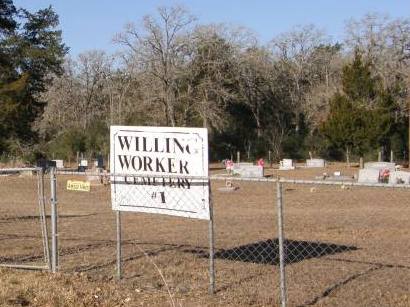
54 230
211 244
281 244
118 221
43 215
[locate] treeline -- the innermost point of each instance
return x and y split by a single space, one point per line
297 94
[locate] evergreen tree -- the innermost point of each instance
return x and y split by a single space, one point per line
362 118
30 52
357 81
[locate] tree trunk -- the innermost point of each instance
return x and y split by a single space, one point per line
347 156
258 123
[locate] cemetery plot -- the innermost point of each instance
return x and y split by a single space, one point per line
399 177
248 170
380 165
315 163
286 164
357 232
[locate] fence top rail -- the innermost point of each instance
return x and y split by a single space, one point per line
19 169
247 179
212 177
233 178
345 183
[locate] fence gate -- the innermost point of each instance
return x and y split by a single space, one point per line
23 223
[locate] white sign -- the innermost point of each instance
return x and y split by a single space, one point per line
160 163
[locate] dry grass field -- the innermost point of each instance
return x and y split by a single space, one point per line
345 247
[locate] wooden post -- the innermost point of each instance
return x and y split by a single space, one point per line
361 163
379 156
391 156
238 157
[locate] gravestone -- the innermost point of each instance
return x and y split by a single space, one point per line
248 170
59 163
100 161
237 167
254 171
399 177
315 163
369 175
380 165
286 164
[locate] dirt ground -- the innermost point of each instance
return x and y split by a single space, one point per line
345 247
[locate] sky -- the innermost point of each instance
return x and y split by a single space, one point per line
91 24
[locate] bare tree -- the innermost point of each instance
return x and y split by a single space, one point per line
383 42
160 46
211 77
293 50
78 97
326 68
255 77
62 97
93 69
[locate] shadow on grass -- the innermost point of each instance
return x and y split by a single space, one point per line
267 251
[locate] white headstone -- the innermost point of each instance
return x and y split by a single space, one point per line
248 170
399 177
59 163
380 165
369 175
254 171
238 167
315 163
286 164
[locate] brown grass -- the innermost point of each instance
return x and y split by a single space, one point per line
374 223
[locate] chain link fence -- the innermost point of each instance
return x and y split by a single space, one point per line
156 250
246 240
23 225
346 244
292 242
169 253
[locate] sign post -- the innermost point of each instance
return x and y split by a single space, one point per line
160 170
118 222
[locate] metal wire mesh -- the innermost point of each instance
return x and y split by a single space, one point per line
161 252
247 257
346 245
23 227
158 251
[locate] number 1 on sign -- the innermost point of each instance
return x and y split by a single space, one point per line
162 194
